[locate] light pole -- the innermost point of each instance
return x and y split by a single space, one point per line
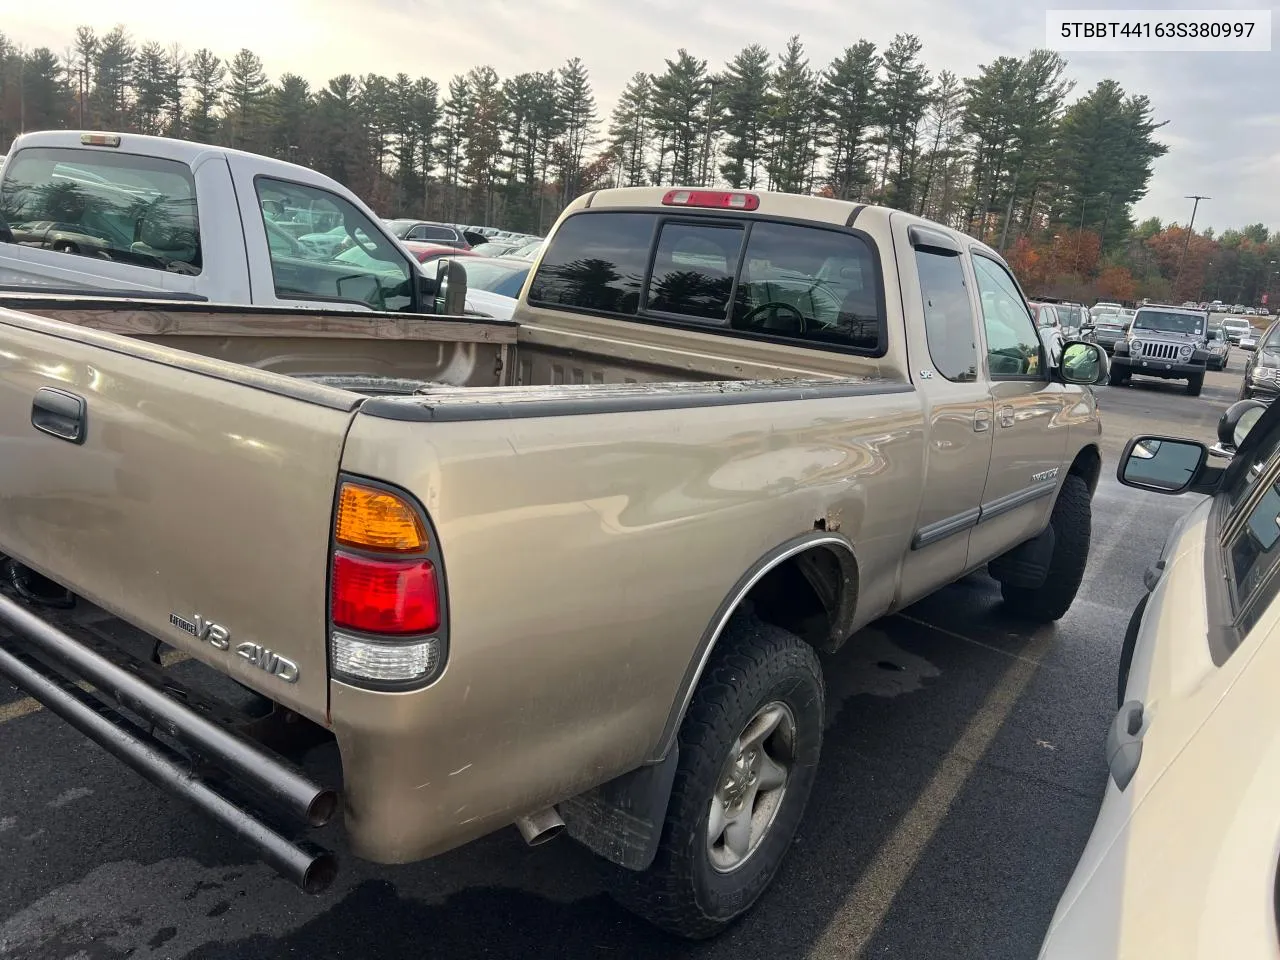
1187 245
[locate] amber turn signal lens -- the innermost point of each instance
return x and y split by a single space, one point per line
378 520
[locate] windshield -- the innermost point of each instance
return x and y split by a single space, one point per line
501 278
1166 322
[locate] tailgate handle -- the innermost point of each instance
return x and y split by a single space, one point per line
59 414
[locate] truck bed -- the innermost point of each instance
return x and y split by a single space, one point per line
380 354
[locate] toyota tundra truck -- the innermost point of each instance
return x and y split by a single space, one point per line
571 572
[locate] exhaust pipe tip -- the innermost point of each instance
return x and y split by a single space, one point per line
538 828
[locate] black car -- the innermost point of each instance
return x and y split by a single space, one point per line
1262 369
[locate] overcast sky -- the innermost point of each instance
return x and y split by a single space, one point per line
1223 112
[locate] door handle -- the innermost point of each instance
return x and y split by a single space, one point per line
1006 416
1124 743
981 420
59 414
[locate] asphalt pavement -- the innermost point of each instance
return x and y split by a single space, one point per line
961 774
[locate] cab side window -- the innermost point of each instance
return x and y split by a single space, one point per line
948 315
1013 345
366 269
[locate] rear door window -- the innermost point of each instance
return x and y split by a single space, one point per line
104 205
948 315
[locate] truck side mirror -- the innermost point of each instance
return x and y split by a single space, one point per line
1083 363
451 287
1162 464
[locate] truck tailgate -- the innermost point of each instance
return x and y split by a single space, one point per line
196 503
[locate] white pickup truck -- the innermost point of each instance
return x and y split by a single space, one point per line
169 218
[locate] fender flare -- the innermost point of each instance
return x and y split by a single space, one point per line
728 606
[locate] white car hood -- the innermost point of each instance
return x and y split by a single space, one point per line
491 304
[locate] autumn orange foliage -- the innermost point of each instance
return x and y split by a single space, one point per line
1117 283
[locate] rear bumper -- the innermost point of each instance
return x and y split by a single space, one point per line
58 680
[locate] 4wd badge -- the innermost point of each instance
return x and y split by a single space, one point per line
219 637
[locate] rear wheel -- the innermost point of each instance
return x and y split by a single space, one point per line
1195 384
1071 520
749 749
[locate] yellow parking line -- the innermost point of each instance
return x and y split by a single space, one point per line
868 903
18 709
27 706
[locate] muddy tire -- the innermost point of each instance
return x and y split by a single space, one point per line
749 748
1071 520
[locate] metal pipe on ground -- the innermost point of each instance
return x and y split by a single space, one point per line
245 760
308 866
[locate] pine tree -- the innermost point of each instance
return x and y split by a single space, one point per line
904 97
745 97
944 136
246 92
848 95
791 122
207 74
629 130
291 136
113 70
151 84
578 119
482 131
679 100
453 141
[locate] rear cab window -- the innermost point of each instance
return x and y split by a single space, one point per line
120 207
746 276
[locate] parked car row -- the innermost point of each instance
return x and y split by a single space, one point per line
492 242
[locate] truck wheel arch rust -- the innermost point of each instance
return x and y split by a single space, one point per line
840 610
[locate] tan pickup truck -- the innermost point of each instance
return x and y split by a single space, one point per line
573 572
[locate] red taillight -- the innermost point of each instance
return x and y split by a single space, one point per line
384 596
715 199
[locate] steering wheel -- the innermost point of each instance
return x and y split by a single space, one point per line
774 306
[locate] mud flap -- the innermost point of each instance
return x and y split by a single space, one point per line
1027 564
622 820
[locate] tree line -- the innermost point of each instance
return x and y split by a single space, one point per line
1157 261
1007 155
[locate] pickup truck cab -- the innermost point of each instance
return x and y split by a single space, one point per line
1165 342
161 217
571 572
